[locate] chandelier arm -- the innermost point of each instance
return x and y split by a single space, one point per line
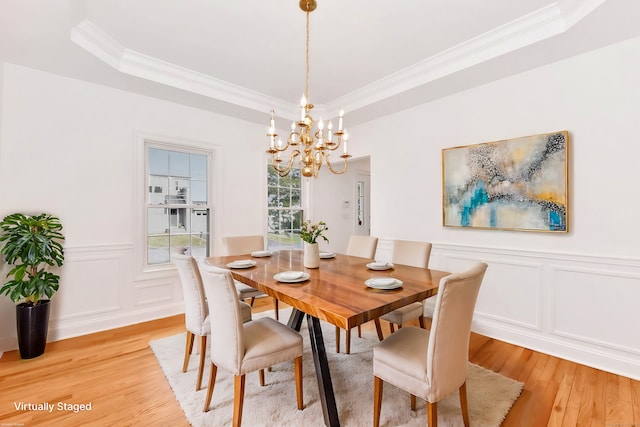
344 168
284 171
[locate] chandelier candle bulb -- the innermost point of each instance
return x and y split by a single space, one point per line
340 120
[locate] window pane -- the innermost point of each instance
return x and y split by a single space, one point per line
158 161
199 192
272 176
157 221
295 198
272 196
273 220
198 167
178 191
200 221
284 198
297 221
199 244
158 250
178 164
158 187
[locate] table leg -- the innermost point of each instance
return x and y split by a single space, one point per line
295 319
327 398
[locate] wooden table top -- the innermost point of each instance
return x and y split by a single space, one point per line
335 292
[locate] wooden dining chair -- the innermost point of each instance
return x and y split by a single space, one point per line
245 347
364 247
196 312
432 364
415 254
240 245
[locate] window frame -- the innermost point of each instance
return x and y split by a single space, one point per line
301 208
214 179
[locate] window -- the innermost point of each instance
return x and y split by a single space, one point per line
177 202
284 206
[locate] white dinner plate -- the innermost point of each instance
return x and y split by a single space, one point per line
327 255
291 276
383 283
242 263
380 266
261 254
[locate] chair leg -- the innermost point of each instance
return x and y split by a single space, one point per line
392 328
432 414
377 400
261 377
275 307
298 371
212 382
252 301
379 329
463 404
421 322
347 341
187 351
359 331
203 357
413 402
337 339
238 399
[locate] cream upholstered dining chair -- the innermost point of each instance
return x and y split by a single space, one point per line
364 247
196 312
243 348
415 254
432 364
240 245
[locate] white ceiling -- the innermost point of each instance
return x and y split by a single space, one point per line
243 57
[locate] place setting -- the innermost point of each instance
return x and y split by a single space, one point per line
383 283
261 254
379 266
242 263
291 276
327 255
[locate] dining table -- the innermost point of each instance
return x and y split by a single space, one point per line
337 292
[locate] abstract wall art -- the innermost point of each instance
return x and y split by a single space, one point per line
515 184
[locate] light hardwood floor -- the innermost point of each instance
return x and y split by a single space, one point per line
117 373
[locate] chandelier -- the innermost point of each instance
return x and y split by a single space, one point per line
312 148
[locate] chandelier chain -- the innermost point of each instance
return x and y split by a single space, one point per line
306 84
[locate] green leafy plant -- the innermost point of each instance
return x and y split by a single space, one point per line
31 244
310 232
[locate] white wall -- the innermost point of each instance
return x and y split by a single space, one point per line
576 294
72 149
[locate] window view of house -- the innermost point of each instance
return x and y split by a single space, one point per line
177 204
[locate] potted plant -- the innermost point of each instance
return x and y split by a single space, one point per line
309 233
32 244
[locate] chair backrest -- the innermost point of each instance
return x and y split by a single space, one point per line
411 253
239 245
362 246
195 306
448 352
227 343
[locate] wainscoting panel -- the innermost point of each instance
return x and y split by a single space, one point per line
577 307
98 292
606 301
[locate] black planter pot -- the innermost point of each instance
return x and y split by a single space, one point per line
33 325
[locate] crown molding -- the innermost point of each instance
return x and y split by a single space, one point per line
539 25
91 38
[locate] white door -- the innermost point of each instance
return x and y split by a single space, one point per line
362 216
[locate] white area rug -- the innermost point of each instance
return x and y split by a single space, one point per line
490 395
